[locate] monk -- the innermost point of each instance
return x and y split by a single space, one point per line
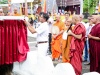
77 44
66 43
56 39
1 12
16 12
94 42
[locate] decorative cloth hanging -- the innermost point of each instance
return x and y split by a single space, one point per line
13 41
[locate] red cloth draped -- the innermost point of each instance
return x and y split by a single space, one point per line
76 50
13 41
95 49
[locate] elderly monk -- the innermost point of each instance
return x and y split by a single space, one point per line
16 12
66 43
94 42
77 44
56 39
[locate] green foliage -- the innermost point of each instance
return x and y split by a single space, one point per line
89 5
3 1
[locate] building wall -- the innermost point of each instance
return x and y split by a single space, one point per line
67 2
69 5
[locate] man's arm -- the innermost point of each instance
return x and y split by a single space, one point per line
76 36
31 29
93 37
59 33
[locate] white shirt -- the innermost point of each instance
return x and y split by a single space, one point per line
89 29
38 24
86 26
42 32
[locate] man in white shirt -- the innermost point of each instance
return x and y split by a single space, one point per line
42 34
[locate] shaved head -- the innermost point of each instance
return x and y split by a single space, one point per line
81 17
95 18
68 22
15 10
69 19
98 17
57 17
75 19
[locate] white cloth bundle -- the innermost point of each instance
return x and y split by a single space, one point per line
55 30
64 36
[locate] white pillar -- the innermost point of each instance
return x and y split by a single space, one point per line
81 6
26 12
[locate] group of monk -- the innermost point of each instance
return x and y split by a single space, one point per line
72 48
14 13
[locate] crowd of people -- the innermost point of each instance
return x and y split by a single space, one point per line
82 38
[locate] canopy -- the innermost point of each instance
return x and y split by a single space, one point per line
20 1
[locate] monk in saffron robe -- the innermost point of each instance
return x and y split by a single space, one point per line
94 42
66 43
16 12
77 44
56 39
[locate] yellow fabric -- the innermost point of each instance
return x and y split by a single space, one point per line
62 17
99 9
66 48
16 14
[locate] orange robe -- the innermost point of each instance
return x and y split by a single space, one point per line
66 48
56 43
16 14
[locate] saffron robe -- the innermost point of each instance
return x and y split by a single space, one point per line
56 43
66 48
